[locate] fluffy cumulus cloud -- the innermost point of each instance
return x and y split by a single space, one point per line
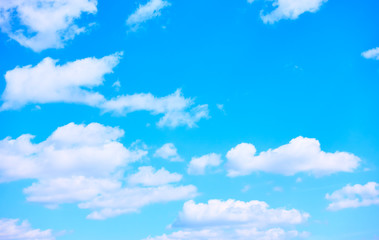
147 176
371 54
354 196
198 165
232 212
13 229
290 9
85 164
42 24
146 12
299 155
49 82
73 82
233 219
72 150
168 151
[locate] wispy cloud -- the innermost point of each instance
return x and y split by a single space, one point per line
146 12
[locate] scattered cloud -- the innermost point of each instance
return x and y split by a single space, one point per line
117 85
48 82
300 155
147 176
278 189
43 24
246 188
12 229
73 82
354 196
233 219
85 164
146 12
232 212
169 152
371 54
232 234
72 150
290 9
129 200
198 165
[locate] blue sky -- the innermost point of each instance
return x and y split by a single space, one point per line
172 120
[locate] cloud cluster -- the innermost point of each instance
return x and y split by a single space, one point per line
299 155
146 12
198 165
147 177
43 24
354 196
12 229
169 152
290 9
85 164
73 82
371 54
233 219
232 212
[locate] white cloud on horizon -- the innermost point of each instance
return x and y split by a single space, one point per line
147 176
290 9
371 54
232 234
73 82
43 24
231 219
146 12
198 165
12 229
354 196
299 155
169 152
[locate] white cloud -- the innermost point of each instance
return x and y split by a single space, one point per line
73 82
85 164
71 150
53 192
371 54
128 200
231 219
11 229
177 110
48 82
43 23
291 9
354 196
146 12
198 165
232 234
300 155
147 176
168 151
232 212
